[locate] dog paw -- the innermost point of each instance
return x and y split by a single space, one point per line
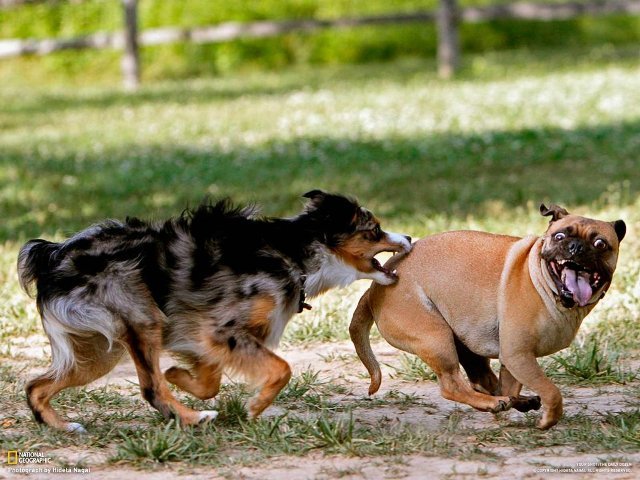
546 423
502 406
534 403
207 416
526 404
74 427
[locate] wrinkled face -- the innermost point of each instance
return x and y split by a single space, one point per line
581 256
359 247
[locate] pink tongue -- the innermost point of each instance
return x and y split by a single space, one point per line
578 284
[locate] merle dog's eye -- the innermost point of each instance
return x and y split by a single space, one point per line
559 236
373 234
600 244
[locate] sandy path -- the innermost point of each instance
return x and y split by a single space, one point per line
337 361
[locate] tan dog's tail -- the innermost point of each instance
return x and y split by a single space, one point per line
359 330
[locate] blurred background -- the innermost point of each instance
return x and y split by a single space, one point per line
435 114
428 111
380 31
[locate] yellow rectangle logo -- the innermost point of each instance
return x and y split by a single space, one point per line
12 457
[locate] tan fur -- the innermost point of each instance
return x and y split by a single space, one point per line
465 297
145 349
95 360
261 366
358 252
204 383
259 323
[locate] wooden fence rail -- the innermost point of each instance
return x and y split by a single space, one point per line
449 16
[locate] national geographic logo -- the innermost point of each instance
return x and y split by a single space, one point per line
17 457
28 462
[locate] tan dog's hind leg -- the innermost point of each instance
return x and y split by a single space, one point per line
203 383
478 370
427 335
525 370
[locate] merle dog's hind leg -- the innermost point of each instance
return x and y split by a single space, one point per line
145 344
94 359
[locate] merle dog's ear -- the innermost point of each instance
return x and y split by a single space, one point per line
317 199
621 229
314 194
554 211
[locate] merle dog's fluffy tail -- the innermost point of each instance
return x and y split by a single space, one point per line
34 257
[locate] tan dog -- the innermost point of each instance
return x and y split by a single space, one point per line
465 297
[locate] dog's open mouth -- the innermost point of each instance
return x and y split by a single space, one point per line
576 283
399 248
378 266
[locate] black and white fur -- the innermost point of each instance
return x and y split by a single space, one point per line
215 286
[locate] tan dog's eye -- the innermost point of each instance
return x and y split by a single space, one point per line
600 244
559 236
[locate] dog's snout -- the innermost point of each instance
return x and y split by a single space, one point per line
404 241
576 247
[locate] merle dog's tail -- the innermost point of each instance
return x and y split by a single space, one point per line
35 256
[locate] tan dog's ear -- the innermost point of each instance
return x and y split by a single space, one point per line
621 229
554 211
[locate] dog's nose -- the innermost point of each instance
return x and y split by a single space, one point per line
576 247
408 238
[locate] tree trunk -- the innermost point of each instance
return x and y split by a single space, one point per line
131 55
448 45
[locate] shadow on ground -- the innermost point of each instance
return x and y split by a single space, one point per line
402 179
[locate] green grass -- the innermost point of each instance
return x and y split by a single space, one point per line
285 434
480 152
619 432
167 444
425 155
270 137
413 369
589 363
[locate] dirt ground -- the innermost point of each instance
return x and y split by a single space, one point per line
338 362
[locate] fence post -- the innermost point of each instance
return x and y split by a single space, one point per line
131 56
448 45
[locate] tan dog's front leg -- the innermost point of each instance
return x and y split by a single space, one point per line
524 369
509 386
